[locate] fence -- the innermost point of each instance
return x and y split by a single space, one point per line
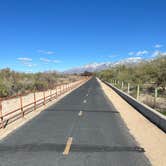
13 108
149 94
154 116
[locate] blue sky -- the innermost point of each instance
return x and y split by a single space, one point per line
39 35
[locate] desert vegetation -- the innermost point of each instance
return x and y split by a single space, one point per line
12 82
149 75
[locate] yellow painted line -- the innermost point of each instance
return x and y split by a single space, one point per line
68 146
80 113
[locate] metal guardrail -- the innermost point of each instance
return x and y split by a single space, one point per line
22 110
157 118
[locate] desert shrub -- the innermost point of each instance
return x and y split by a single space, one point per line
12 82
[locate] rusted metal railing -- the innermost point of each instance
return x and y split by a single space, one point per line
24 109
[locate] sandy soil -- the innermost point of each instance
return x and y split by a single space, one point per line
146 133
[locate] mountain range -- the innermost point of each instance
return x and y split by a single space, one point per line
93 67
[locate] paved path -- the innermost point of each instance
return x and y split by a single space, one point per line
83 129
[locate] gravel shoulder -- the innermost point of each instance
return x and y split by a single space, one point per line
146 133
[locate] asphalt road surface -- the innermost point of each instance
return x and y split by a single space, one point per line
82 129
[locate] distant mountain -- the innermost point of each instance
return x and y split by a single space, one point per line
93 67
129 61
89 67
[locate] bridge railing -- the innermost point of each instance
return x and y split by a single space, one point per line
16 107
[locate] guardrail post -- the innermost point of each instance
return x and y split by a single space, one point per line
155 96
44 98
34 96
128 88
1 116
21 106
138 91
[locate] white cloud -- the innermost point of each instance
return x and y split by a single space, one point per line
158 46
45 60
158 53
46 52
139 53
56 61
29 64
155 53
134 58
131 53
112 56
144 52
24 59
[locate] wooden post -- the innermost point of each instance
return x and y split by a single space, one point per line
44 98
21 106
56 91
60 89
50 94
1 116
128 88
64 88
122 85
155 96
138 91
34 96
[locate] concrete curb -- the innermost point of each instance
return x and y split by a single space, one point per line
157 118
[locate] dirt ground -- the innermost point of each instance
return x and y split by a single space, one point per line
146 133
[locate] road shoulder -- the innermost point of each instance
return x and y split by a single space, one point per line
146 133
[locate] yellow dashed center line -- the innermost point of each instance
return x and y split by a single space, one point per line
68 146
